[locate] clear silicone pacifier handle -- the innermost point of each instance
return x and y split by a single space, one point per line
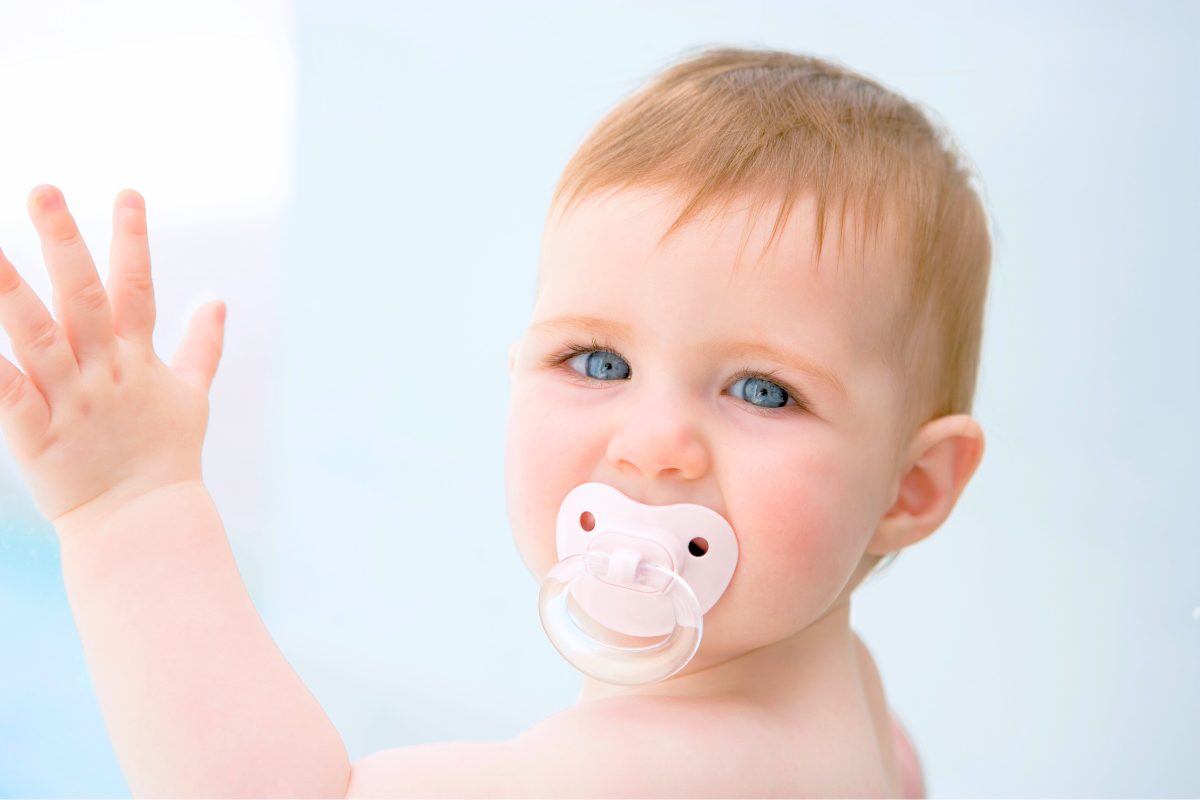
611 663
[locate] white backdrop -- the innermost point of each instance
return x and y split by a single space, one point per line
1046 642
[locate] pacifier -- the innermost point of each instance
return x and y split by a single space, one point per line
625 603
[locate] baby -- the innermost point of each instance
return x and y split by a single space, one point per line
761 292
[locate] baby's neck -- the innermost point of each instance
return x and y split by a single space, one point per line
776 672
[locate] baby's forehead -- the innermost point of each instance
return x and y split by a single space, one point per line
743 254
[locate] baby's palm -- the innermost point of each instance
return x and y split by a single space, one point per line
96 414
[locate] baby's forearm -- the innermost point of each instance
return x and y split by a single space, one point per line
197 698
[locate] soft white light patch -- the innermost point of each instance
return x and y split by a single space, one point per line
191 104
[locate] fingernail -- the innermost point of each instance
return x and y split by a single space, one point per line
51 201
221 312
133 200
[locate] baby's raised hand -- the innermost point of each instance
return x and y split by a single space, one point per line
97 419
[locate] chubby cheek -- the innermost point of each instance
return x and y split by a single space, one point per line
803 517
548 452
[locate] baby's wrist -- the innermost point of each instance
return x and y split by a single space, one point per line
128 502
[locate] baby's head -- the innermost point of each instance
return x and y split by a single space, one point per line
761 290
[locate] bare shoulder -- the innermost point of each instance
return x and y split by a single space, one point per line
602 748
638 746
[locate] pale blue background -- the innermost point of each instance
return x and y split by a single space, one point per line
1043 643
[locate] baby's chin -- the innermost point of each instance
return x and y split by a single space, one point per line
734 633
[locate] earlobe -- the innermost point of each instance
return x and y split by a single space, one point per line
938 464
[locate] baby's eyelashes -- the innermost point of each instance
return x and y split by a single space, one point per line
601 364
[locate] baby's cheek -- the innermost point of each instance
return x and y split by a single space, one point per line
799 537
547 454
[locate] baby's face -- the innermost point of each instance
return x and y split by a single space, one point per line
754 387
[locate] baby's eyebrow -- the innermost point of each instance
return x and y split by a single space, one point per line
787 358
605 328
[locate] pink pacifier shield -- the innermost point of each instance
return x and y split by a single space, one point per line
692 541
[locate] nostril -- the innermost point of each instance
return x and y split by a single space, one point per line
588 522
698 546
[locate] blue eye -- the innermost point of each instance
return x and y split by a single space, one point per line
760 392
602 365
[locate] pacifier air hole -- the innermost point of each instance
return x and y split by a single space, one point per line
698 546
587 521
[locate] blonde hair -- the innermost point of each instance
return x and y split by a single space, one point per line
779 127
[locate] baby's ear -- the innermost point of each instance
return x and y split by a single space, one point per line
938 463
512 356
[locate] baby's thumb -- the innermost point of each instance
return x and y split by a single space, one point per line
196 359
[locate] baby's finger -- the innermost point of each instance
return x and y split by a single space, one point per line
130 289
38 342
80 302
24 414
196 359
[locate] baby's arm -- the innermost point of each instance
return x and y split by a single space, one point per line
197 698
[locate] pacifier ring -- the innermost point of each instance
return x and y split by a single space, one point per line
610 663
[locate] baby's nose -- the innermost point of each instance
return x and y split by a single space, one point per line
660 440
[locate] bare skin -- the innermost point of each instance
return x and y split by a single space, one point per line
782 698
